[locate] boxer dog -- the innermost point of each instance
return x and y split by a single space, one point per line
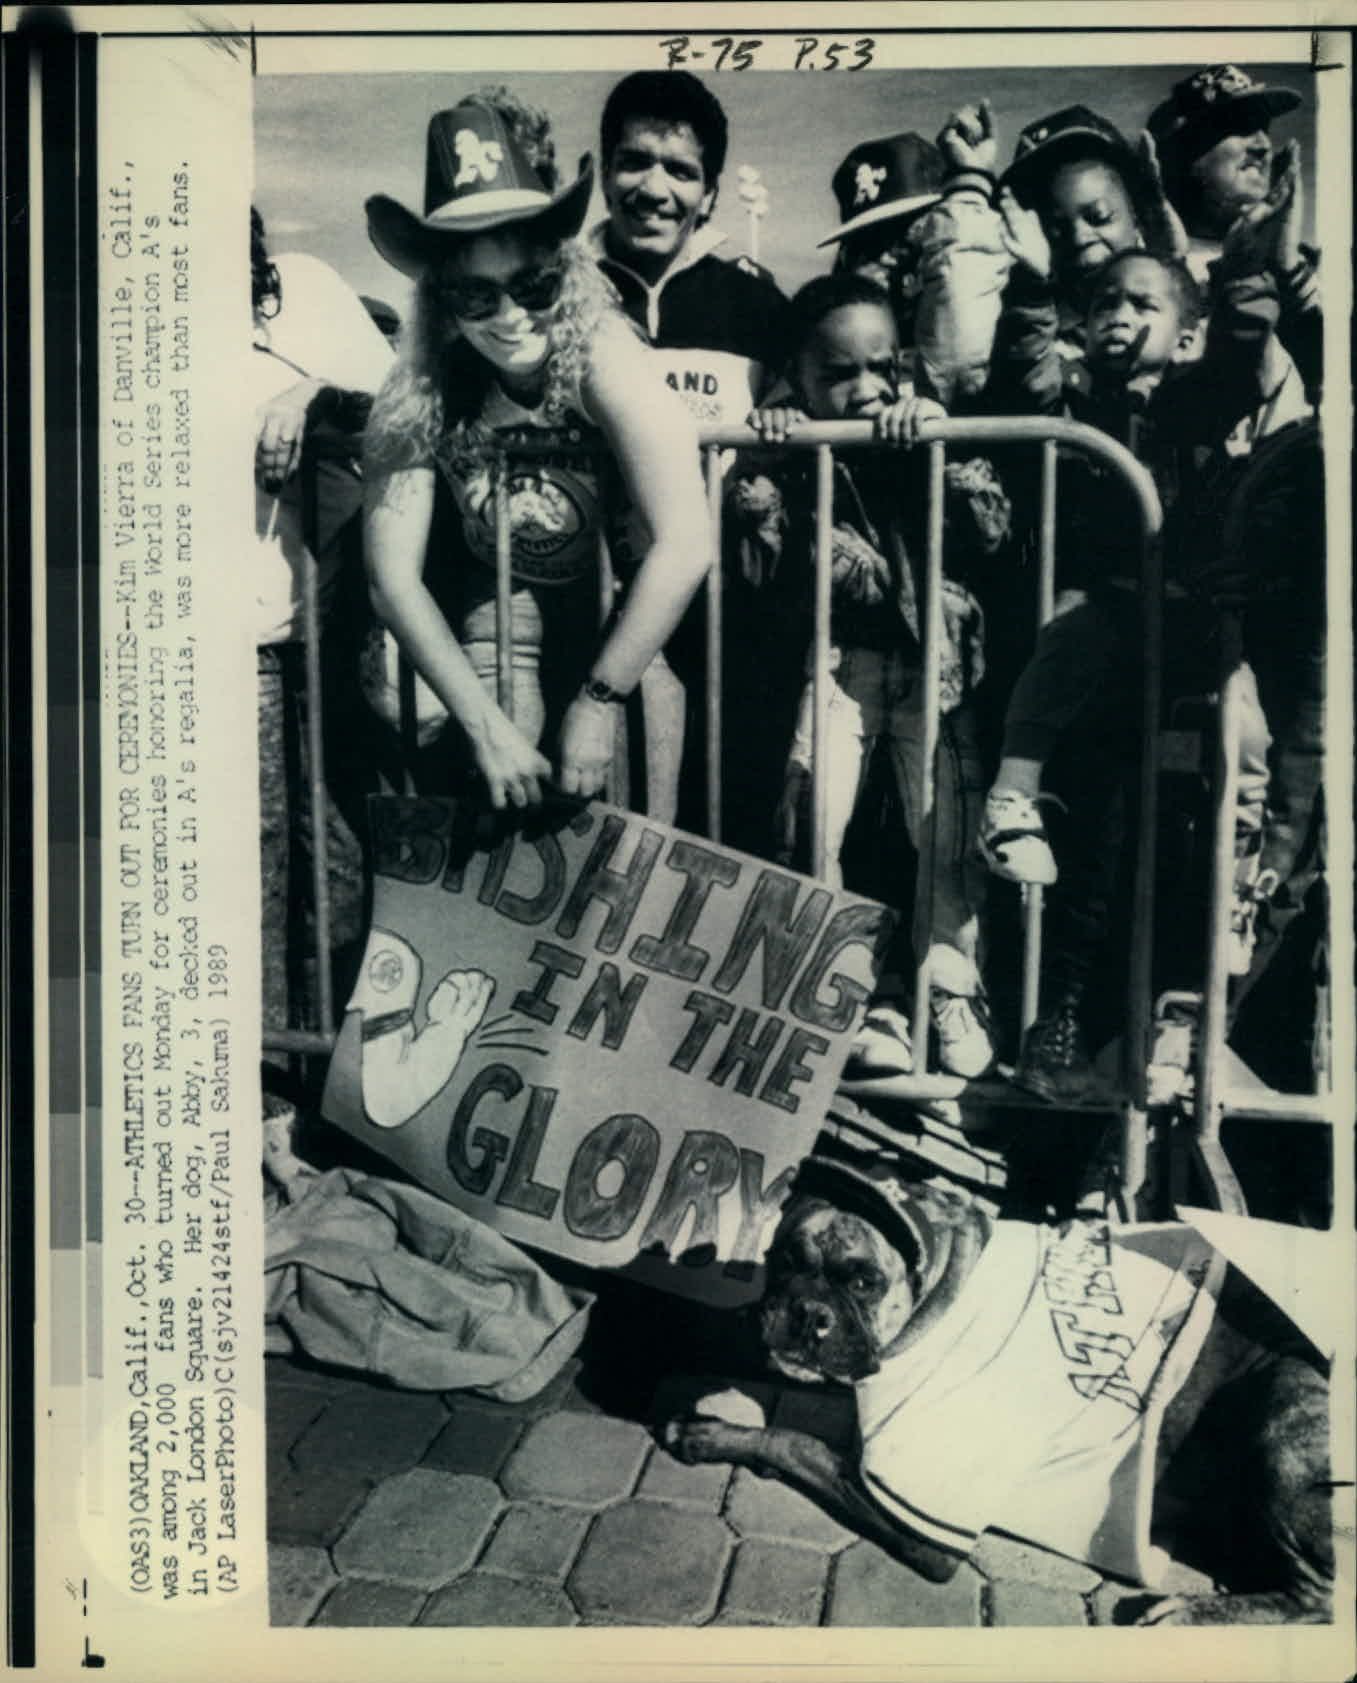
1041 1380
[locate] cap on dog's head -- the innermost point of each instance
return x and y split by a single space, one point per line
853 1256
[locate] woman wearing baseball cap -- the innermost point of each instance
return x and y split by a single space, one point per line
514 328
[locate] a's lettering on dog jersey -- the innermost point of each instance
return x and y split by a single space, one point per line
602 1036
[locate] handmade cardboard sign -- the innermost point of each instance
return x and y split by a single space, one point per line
601 1036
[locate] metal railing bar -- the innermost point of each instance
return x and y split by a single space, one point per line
819 780
504 625
1034 896
932 713
315 747
715 631
1215 994
302 1042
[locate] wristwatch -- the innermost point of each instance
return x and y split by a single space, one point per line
596 690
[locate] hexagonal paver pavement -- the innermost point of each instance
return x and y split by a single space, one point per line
869 1588
667 1479
485 1598
298 1580
371 1431
647 1563
775 1583
763 1507
370 1601
422 1528
535 1541
998 1555
581 1459
1014 1603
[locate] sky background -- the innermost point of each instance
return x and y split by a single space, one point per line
324 143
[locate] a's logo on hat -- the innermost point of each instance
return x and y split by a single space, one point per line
477 159
867 183
1222 81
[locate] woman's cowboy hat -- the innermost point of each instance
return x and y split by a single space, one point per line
476 179
883 179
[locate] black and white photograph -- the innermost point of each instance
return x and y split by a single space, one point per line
757 840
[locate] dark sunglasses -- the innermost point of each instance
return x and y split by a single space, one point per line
477 300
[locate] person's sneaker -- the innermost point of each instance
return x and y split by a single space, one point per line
1252 887
960 1013
1054 1062
1173 1054
1012 839
882 1046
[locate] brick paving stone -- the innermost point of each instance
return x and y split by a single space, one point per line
647 1563
288 1410
370 1601
829 1415
669 1480
298 1581
420 1528
284 1370
867 1587
762 1507
486 1598
1015 1602
477 1439
536 1541
372 1431
775 1583
999 1556
306 1509
582 1459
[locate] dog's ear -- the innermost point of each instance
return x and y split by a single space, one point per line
945 1208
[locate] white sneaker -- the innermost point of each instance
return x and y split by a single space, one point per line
882 1046
1012 839
960 1013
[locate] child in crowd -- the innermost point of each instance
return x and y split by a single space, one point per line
1141 381
843 365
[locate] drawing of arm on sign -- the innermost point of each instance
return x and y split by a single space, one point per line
404 1067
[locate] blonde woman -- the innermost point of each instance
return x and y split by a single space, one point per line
514 328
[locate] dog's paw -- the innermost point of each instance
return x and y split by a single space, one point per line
1167 1610
694 1440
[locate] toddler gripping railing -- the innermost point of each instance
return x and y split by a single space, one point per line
1048 435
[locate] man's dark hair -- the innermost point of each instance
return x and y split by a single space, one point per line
820 297
266 288
668 97
1186 293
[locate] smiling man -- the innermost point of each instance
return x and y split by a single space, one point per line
717 327
717 321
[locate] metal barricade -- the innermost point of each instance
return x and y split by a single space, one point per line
1048 436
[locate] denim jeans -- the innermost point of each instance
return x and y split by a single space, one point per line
876 698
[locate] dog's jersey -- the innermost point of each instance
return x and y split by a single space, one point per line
1033 1405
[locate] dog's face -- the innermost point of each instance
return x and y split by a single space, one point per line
839 1292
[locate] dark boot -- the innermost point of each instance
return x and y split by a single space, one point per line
1054 1062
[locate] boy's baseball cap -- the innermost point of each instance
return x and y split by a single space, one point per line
1211 103
1075 132
886 178
476 178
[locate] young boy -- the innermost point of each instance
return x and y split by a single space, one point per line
1140 381
843 365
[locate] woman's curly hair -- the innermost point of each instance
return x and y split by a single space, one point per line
432 398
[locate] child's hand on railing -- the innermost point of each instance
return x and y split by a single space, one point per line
280 433
900 423
775 423
510 765
1023 236
968 141
587 745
